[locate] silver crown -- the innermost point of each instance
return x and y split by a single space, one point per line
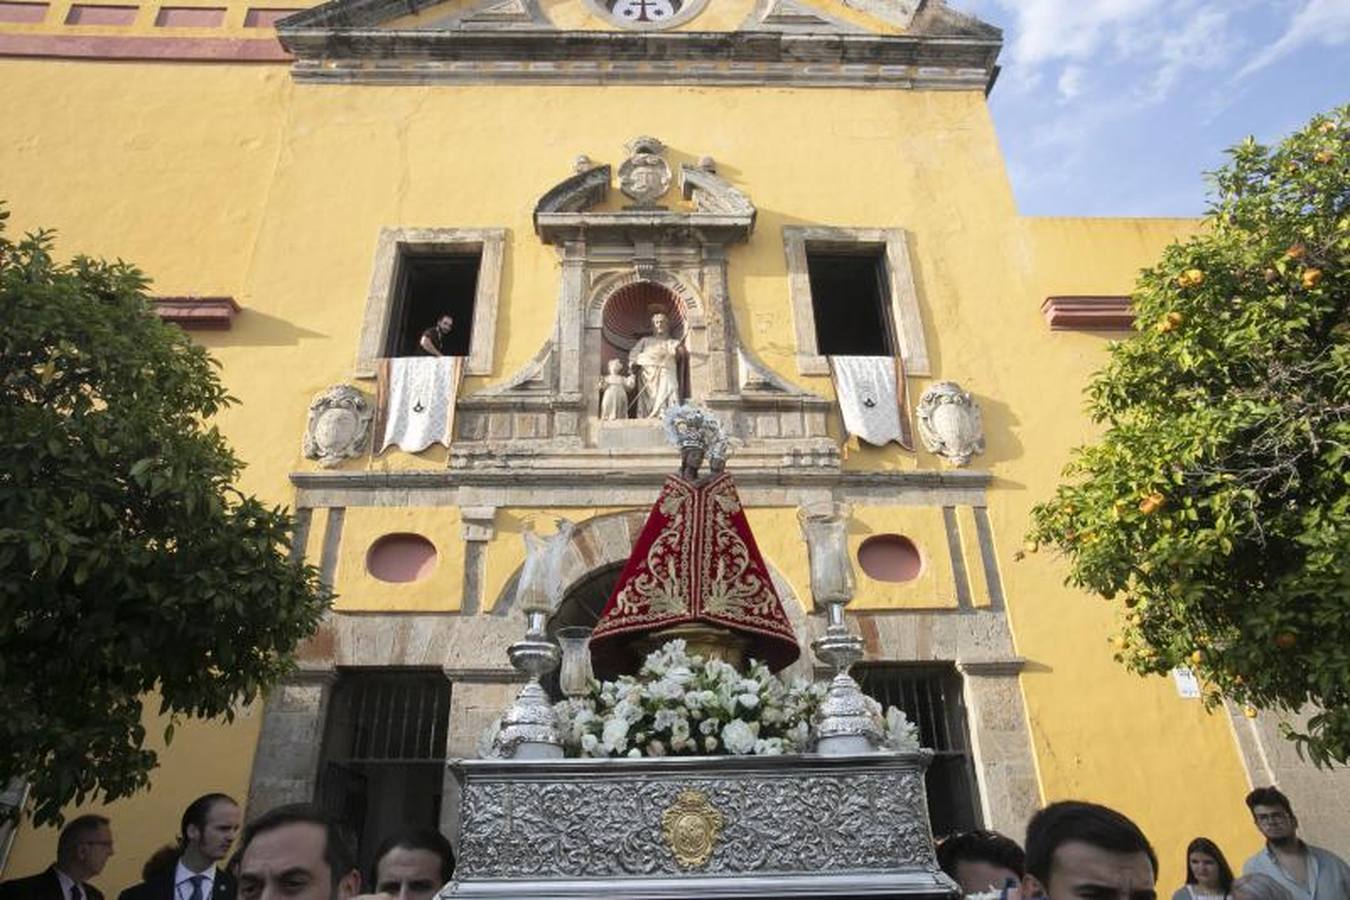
688 427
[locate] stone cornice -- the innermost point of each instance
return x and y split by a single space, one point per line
661 226
632 486
332 52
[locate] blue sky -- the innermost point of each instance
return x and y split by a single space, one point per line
1118 107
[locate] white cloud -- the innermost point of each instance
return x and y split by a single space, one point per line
1320 21
1160 39
1070 83
1053 30
1200 43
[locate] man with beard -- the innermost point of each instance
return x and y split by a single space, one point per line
297 853
205 835
1305 871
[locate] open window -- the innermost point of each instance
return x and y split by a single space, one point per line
420 273
430 286
852 293
849 302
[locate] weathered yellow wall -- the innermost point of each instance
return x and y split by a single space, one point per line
233 180
203 757
357 589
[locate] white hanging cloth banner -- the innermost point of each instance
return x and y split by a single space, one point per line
417 398
871 395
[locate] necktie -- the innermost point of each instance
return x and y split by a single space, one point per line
75 892
196 887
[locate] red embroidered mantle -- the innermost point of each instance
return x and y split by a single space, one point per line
696 562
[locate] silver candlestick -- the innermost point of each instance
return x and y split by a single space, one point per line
844 723
528 727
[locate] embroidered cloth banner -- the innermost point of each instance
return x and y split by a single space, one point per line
696 562
417 401
871 392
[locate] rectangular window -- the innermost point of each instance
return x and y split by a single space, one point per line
420 273
852 293
432 285
930 695
383 764
850 302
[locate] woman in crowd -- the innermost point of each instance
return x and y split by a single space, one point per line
1208 876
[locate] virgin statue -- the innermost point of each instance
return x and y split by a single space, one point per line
655 360
695 572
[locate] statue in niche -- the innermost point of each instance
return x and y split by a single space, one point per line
614 389
655 361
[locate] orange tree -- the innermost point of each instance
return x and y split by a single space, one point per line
129 565
1215 507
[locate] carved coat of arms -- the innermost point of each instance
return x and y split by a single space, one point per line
644 176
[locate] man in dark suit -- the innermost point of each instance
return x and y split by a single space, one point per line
82 850
205 834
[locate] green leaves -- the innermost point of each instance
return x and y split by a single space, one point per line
1231 403
128 563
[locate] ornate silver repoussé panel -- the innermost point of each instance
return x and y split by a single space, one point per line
714 827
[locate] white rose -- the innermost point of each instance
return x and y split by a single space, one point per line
708 726
656 748
748 700
615 734
769 747
739 737
589 744
634 753
710 743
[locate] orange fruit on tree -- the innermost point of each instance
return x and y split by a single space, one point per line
1311 278
1285 640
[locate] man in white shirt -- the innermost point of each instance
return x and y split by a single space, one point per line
1305 871
205 834
82 850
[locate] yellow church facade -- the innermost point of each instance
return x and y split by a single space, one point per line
786 181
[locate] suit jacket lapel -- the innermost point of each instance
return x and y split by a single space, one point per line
51 885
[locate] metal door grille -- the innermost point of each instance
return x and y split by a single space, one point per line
930 694
390 717
930 697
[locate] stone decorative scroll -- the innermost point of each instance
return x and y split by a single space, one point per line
566 821
950 422
338 427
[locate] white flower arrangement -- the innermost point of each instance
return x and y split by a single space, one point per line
680 704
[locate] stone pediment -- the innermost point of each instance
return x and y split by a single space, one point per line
657 253
847 43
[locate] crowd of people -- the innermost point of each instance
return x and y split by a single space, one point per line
1083 850
294 852
1073 850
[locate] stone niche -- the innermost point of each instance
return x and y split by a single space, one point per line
618 267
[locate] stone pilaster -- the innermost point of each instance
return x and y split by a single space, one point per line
286 764
476 529
1000 742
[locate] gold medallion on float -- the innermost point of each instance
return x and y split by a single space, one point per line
691 826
